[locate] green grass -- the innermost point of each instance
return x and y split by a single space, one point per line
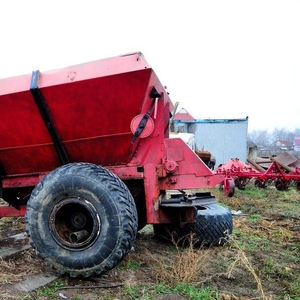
129 263
138 292
254 218
275 269
196 293
51 289
295 288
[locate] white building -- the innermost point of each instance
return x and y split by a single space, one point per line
223 138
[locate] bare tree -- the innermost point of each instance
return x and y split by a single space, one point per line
259 137
283 135
264 138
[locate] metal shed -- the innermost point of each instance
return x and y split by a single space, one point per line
224 138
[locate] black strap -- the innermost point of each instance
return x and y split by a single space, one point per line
45 113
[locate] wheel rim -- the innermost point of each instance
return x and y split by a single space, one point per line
229 187
74 223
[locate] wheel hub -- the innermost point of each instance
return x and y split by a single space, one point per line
74 223
78 220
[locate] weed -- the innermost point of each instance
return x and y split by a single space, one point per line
162 288
185 267
52 289
129 263
195 293
254 218
274 269
130 290
253 192
242 258
136 292
186 289
295 288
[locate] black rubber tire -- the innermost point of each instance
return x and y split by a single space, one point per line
213 227
85 198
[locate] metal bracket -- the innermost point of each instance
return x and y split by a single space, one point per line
154 94
181 200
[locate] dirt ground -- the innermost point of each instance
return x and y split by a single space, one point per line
260 261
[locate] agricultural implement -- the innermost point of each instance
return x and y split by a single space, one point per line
86 156
282 176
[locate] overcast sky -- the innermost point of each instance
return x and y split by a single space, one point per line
219 59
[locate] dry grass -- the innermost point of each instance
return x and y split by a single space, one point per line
14 270
281 232
7 296
182 267
187 263
9 272
243 260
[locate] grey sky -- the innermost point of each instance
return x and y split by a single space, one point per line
219 59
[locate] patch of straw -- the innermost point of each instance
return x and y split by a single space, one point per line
183 266
242 259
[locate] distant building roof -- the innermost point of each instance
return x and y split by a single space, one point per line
183 115
212 121
282 143
297 141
